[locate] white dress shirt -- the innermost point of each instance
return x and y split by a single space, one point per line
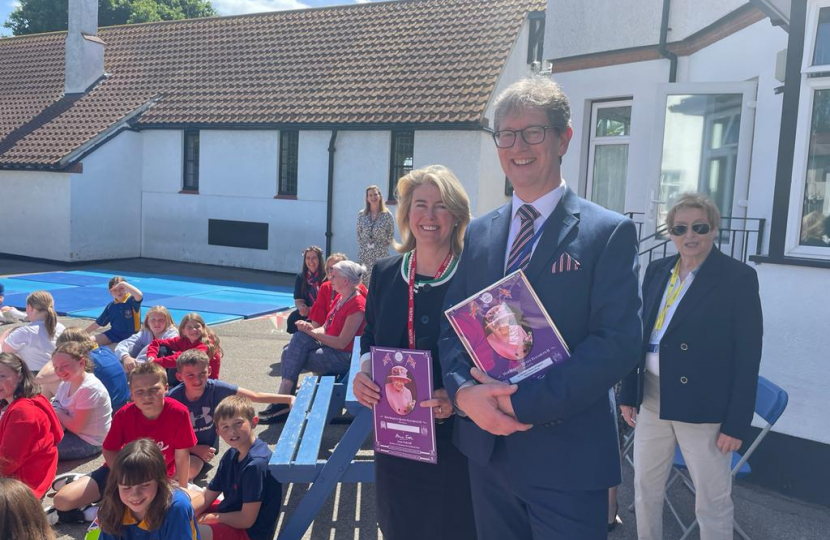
545 205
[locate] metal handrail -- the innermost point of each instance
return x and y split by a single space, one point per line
727 235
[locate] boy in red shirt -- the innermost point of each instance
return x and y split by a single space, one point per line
151 415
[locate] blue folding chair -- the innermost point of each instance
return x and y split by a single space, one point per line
770 403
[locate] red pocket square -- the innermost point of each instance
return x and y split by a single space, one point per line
566 263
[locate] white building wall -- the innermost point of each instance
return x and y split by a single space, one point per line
457 150
361 159
106 202
795 301
577 27
515 68
36 217
238 182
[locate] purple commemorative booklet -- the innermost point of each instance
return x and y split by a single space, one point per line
507 331
402 428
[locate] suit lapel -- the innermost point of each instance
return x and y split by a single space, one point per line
705 280
497 245
559 224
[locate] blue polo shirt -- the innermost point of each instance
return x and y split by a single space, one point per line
201 410
124 317
249 481
179 523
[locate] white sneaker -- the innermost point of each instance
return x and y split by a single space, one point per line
90 513
52 515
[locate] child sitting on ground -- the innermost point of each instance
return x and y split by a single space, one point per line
139 501
193 334
201 396
106 368
81 403
9 313
158 324
252 496
151 415
123 314
35 342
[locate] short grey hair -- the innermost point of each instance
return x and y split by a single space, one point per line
538 92
351 270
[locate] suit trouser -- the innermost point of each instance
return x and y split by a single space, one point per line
507 508
709 469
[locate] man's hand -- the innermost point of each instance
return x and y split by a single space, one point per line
204 452
207 519
728 444
483 404
629 414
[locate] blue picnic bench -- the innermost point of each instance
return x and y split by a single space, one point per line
296 457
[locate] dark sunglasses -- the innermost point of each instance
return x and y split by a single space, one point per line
698 228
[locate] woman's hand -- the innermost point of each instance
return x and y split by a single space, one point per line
304 326
207 519
303 309
365 390
128 363
728 444
440 403
629 414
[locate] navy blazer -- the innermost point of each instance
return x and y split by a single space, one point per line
711 350
573 442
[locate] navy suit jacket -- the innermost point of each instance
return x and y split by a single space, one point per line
711 350
573 443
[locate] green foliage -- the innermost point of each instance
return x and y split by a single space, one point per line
37 16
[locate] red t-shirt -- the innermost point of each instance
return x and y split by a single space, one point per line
357 304
319 311
171 430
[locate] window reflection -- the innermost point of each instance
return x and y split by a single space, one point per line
815 227
821 54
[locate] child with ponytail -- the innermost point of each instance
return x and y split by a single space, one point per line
35 342
193 334
81 403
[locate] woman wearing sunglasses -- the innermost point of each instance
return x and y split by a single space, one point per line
695 384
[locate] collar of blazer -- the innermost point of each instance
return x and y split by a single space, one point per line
563 219
706 278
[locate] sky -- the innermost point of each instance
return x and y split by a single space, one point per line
224 7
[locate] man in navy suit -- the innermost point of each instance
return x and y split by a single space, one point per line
543 453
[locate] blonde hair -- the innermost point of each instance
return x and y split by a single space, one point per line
158 309
812 226
381 207
78 352
42 301
76 334
695 200
452 194
148 368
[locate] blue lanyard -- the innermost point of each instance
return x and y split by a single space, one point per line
528 247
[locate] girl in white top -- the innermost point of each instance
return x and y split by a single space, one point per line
158 324
81 403
35 342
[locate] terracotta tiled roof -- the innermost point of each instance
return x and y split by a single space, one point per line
411 61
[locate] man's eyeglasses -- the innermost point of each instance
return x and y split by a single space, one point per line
506 138
699 228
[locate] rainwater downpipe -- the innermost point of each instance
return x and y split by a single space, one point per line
664 52
329 198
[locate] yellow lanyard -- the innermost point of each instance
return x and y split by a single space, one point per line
675 286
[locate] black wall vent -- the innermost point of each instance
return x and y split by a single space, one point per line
241 234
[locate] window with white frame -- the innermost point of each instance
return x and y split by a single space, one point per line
608 153
808 231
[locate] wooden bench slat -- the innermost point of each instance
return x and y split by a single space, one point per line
291 435
315 424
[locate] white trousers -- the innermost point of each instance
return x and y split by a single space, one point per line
709 469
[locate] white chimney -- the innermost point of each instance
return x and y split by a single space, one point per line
84 50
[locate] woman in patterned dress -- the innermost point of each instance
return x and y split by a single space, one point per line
375 231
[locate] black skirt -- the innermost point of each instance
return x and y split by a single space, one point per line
423 501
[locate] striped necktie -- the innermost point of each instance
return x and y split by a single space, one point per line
528 215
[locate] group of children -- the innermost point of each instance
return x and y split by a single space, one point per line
153 445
